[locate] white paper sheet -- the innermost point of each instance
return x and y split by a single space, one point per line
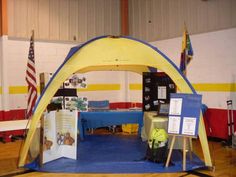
161 92
189 125
175 106
174 124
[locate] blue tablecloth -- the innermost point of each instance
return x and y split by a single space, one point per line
108 118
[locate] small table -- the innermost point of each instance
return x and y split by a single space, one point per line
11 125
108 118
151 121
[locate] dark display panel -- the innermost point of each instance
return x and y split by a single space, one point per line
156 89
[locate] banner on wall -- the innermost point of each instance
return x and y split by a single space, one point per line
60 135
184 114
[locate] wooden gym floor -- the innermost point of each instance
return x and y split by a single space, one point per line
224 161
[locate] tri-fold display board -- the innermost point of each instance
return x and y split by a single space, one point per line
60 135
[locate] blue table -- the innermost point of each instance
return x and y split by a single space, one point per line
108 118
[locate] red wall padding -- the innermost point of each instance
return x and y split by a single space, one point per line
217 121
11 115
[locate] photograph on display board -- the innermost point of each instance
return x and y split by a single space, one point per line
76 81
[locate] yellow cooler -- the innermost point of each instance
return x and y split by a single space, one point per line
130 128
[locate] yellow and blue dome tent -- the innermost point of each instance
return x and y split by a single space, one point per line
109 53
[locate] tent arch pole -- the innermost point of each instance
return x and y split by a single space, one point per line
107 53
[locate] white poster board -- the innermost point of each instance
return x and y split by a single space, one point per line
60 135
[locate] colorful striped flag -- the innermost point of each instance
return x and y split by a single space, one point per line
31 79
187 52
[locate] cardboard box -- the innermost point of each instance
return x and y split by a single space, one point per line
130 128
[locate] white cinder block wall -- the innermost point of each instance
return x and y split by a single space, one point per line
106 77
48 57
214 61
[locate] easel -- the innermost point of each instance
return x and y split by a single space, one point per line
184 118
185 138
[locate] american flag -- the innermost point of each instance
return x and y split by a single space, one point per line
31 79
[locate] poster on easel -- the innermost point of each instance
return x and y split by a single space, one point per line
60 135
184 114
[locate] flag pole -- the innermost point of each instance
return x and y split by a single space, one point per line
32 85
32 33
185 26
184 48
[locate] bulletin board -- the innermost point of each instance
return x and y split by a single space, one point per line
184 114
157 87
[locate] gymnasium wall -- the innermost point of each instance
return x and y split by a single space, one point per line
149 20
48 55
212 71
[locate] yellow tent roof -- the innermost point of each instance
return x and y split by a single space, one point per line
111 53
